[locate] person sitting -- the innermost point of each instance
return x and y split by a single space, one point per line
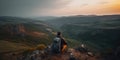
59 44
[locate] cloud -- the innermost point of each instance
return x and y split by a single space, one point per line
103 2
99 7
83 5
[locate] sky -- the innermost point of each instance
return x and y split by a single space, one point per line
29 8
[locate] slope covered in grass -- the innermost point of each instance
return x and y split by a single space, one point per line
6 46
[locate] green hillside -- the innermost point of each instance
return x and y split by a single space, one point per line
23 33
15 32
100 32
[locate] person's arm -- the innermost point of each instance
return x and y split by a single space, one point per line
64 42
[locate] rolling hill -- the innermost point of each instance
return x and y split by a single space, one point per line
23 31
99 32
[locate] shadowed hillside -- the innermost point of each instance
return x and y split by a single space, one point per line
23 33
22 36
97 32
103 30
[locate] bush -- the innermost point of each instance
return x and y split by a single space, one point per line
30 50
40 47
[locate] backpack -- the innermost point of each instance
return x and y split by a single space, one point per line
56 45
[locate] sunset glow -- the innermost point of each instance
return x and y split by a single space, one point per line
86 7
58 7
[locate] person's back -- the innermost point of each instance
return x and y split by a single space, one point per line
56 45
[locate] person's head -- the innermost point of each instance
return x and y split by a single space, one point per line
58 33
